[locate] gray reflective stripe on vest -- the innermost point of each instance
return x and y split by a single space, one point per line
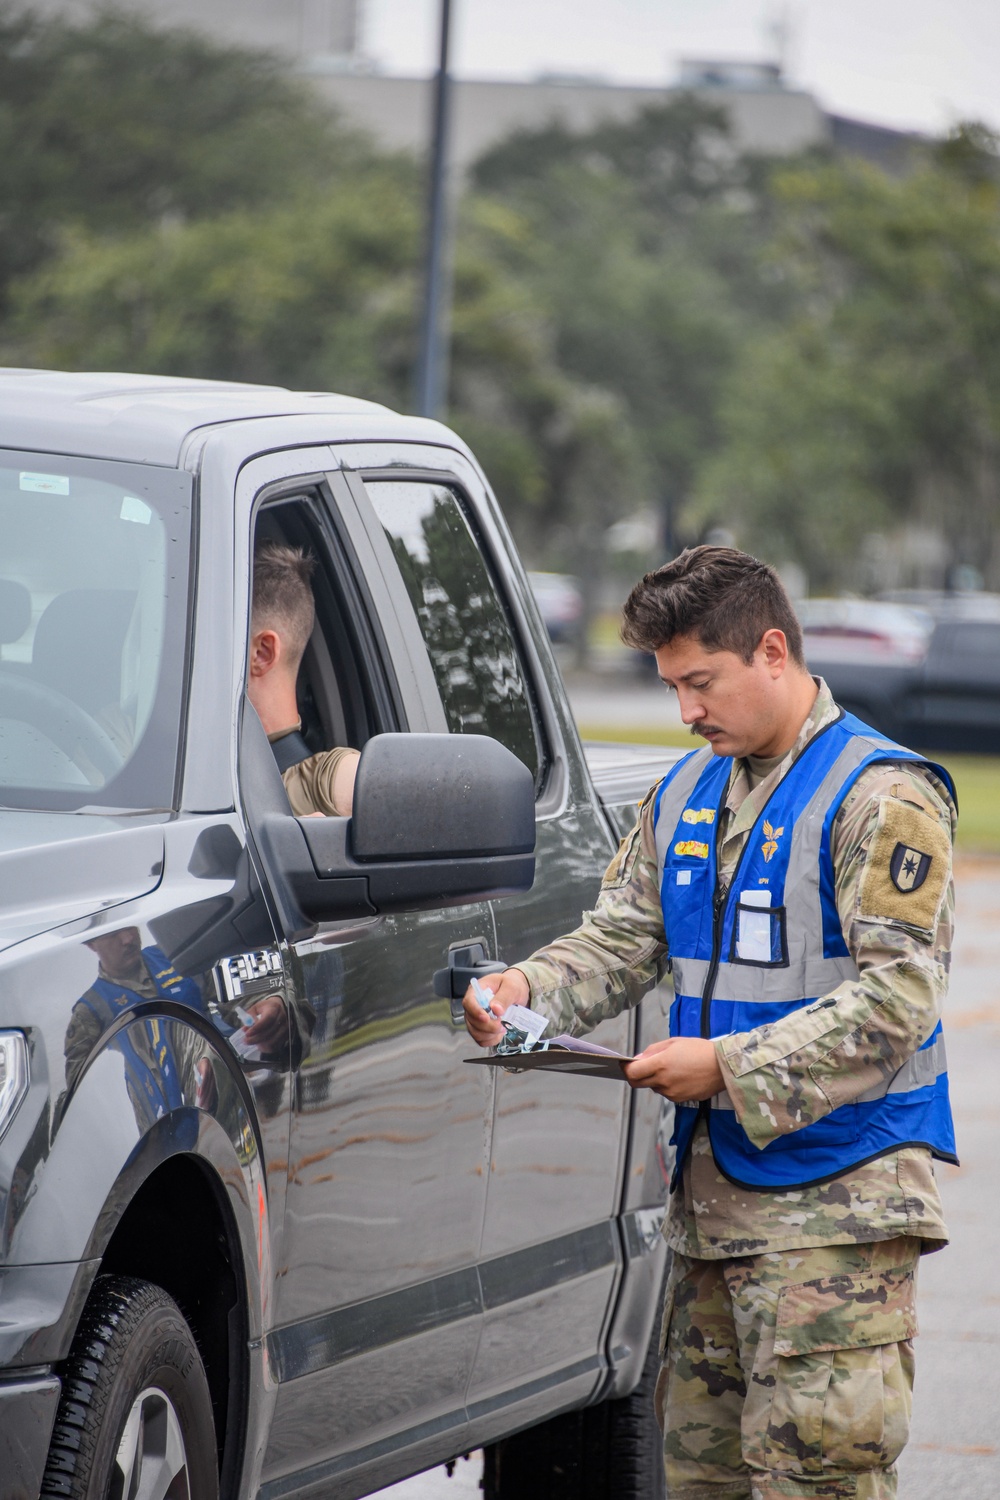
752 983
673 803
808 973
803 911
717 1101
918 1072
722 1101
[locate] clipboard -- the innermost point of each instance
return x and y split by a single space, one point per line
564 1054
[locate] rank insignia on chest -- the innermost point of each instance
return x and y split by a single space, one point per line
909 868
698 815
770 847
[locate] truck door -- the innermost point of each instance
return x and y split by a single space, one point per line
377 1306
550 1245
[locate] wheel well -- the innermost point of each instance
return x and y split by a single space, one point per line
177 1233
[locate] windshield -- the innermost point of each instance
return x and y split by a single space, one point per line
93 592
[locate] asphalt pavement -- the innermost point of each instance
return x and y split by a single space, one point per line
954 1447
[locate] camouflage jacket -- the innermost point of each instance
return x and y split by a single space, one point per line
796 1070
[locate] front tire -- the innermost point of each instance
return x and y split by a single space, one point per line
135 1416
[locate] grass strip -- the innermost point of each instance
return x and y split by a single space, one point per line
977 779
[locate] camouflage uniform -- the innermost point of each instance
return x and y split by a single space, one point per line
310 784
779 1077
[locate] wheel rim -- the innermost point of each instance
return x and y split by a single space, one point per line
151 1462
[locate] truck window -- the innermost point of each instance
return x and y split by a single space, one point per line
470 643
93 610
342 696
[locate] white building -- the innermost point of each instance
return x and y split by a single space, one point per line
321 38
767 118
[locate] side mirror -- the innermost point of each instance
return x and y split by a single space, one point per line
439 820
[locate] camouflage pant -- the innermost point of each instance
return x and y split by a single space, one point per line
788 1376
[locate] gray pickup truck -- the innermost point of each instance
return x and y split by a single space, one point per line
263 1234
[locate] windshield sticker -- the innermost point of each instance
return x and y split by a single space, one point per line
135 510
46 484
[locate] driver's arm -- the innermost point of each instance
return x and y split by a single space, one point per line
323 784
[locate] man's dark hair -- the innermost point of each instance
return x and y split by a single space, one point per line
724 597
282 595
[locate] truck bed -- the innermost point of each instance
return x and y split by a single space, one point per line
623 774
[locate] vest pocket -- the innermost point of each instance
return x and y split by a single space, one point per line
759 937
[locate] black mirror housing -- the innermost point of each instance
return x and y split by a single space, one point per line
439 820
441 796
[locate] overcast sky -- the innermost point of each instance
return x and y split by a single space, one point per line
918 64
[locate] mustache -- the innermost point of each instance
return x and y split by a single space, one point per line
702 731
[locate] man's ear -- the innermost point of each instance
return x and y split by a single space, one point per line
774 648
265 652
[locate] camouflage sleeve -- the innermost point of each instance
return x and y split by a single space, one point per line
617 953
82 1036
191 1049
892 845
317 785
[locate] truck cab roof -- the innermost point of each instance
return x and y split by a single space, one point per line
149 418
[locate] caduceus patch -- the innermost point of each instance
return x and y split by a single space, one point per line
908 868
772 835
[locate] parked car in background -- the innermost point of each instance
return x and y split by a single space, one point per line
559 604
863 629
925 672
943 605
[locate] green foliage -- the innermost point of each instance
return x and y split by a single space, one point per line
802 352
308 294
112 125
675 154
627 236
877 401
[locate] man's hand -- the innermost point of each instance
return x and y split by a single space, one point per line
508 988
269 1031
683 1068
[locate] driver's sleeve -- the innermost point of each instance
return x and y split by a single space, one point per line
618 952
791 1072
313 786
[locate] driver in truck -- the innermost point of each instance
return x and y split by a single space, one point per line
796 875
282 617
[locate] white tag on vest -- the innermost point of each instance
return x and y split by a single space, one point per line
753 936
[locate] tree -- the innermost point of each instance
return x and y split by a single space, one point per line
113 125
878 401
632 238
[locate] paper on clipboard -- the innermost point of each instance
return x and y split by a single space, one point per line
565 1054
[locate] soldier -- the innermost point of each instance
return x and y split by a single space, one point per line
795 875
282 619
158 1077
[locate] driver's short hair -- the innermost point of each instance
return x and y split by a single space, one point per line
282 595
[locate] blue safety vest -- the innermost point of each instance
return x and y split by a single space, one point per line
157 1088
773 944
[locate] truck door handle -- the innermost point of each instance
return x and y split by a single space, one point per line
464 965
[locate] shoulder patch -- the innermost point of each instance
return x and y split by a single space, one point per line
907 868
619 871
